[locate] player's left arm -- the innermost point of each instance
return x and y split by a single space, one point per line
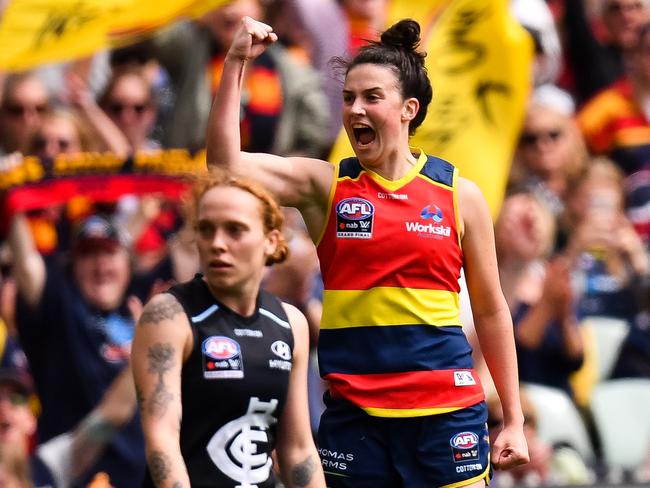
492 321
297 456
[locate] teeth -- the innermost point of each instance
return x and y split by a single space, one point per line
360 126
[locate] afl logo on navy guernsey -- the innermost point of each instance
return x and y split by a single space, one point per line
221 358
354 218
464 446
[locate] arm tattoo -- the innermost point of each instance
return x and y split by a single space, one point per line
302 473
161 359
165 309
158 467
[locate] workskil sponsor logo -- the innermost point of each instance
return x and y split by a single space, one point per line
434 229
354 218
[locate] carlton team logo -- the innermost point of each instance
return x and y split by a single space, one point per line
221 358
354 217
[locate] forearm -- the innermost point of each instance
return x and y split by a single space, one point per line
223 137
165 461
29 267
301 469
496 339
112 138
530 330
573 344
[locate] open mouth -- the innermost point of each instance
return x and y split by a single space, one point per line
363 134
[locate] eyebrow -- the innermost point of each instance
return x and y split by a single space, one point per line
367 90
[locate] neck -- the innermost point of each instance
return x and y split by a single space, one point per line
242 301
397 165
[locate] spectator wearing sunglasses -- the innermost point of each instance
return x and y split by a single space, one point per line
59 131
129 103
550 152
22 103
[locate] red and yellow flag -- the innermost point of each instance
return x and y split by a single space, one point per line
479 62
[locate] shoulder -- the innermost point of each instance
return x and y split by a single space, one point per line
161 308
299 325
473 208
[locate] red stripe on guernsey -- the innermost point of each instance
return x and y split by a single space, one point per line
410 390
405 250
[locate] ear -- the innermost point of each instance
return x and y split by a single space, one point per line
410 109
271 242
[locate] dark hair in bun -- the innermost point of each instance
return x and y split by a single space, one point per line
397 49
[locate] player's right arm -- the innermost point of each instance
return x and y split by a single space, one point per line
163 339
298 182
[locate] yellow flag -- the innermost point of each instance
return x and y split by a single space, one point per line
479 62
35 32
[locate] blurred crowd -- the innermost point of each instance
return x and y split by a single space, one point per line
572 235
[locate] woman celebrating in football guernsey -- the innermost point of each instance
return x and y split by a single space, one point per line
393 227
220 366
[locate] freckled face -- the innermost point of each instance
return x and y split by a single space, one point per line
232 244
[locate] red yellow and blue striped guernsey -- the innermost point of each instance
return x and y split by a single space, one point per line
391 340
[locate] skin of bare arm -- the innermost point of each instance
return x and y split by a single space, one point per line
299 462
28 265
298 182
492 321
162 341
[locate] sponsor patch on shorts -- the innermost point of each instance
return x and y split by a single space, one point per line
464 447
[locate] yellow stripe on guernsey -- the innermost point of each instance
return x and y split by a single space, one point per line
389 306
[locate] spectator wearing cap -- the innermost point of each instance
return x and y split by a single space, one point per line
76 329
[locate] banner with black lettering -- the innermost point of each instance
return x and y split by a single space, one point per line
31 183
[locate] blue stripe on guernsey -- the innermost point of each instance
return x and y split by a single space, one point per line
275 318
439 170
350 168
370 350
205 314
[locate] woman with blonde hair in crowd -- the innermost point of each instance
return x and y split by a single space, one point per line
551 150
538 292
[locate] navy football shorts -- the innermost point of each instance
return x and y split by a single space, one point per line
358 450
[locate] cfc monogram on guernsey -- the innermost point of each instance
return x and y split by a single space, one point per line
390 258
234 387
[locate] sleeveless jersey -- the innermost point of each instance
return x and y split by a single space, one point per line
233 388
391 340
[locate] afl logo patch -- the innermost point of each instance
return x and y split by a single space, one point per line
217 347
221 358
464 440
465 447
354 218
